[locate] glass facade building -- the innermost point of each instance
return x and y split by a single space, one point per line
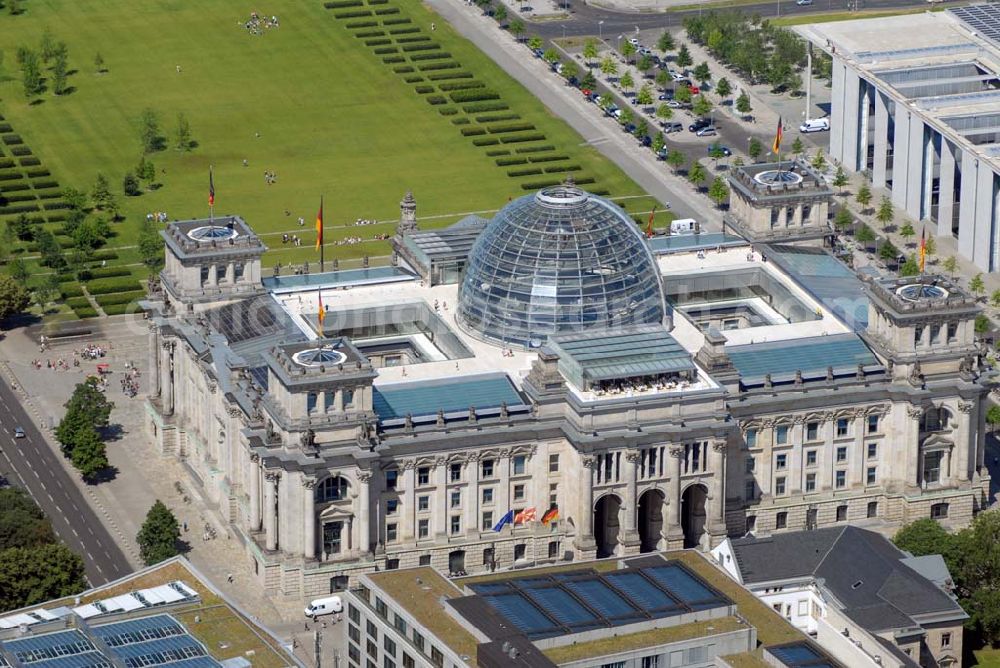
559 261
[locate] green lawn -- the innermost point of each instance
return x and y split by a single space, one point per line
333 119
987 658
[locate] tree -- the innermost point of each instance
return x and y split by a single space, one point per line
907 232
701 106
590 51
910 268
49 249
743 104
641 129
535 42
797 147
864 196
683 95
159 535
702 74
924 536
47 46
995 299
146 170
101 193
604 101
645 63
500 14
570 70
551 56
516 29
589 81
13 299
150 246
627 82
755 149
664 113
60 69
91 403
662 78
676 160
993 416
982 324
930 246
89 455
130 185
950 265
626 116
719 191
184 142
666 42
22 523
843 219
99 65
609 67
14 7
885 212
31 74
840 178
888 251
819 161
738 161
659 143
976 285
628 50
697 174
29 576
723 88
684 57
716 152
645 95
21 227
865 235
149 131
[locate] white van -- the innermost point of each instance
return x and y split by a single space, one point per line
324 606
815 125
683 226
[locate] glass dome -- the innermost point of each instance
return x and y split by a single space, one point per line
559 261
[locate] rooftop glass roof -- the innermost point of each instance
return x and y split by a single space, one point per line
641 351
827 279
811 356
418 398
687 242
337 279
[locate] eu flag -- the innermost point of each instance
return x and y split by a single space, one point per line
505 520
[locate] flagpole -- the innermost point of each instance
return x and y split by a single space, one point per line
211 199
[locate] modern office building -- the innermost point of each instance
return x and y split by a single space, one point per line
854 591
915 103
656 394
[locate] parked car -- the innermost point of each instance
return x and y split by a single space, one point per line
725 149
674 104
669 127
538 53
646 141
634 41
612 110
669 95
815 125
706 131
586 92
699 124
694 89
18 432
324 606
675 75
594 96
803 3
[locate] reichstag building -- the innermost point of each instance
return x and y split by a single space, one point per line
637 394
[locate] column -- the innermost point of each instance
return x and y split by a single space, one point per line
585 520
308 517
674 489
631 535
912 446
364 513
409 501
503 489
837 110
717 463
901 158
915 167
852 127
856 459
946 189
154 359
271 509
967 207
213 275
473 495
945 477
254 474
168 378
964 442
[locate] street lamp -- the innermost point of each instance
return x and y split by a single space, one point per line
600 30
749 141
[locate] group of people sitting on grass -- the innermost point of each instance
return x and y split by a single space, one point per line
257 23
156 217
292 239
365 221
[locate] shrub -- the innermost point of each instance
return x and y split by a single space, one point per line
485 106
388 60
485 141
444 76
370 33
385 11
395 22
424 90
381 51
461 120
509 127
461 85
361 24
421 47
508 162
402 31
547 158
437 55
102 272
6 163
558 169
448 111
402 69
353 14
474 95
435 99
409 40
85 312
119 309
517 139
537 185
438 66
490 118
413 79
535 149
378 42
497 151
10 175
20 150
105 255
103 286
68 290
12 140
44 183
78 302
473 132
55 206
19 208
38 171
30 161
531 171
5 127
343 4
120 297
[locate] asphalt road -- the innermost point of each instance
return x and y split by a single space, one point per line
31 464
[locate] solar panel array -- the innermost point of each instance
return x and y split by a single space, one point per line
983 19
571 602
159 640
801 655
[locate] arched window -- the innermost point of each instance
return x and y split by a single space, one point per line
333 488
935 419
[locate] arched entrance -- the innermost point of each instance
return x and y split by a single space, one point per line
606 525
693 514
650 520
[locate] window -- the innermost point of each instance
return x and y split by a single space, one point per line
781 520
423 502
751 464
872 450
333 488
381 608
781 434
204 275
372 649
311 398
371 629
487 466
952 332
408 661
456 524
391 505
389 645
781 462
519 551
519 492
455 472
812 431
803 608
918 335
872 509
810 482
487 495
455 499
517 465
945 640
353 614
423 528
779 486
488 556
328 401
354 633
810 458
842 454
872 424
418 640
935 334
870 475
355 655
437 658
750 491
424 475
553 494
651 661
751 438
387 662
487 520
425 560
842 426
553 463
939 511
751 523
348 398
391 477
840 479
390 532
553 549
841 513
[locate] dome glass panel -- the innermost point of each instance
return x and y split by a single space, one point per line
559 261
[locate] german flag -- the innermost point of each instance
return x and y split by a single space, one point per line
923 249
211 188
649 225
778 134
319 224
551 515
321 314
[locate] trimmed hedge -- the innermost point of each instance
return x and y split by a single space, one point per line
485 141
353 14
444 76
370 33
527 136
382 50
491 118
535 149
85 312
378 42
19 208
558 169
343 4
509 127
531 171
461 85
402 69
403 31
413 79
54 206
448 111
20 150
105 255
509 162
103 286
485 106
421 47
388 60
10 176
56 217
102 272
537 185
378 2
396 22
20 198
474 95
461 120
435 99
68 290
45 183
78 302
495 152
6 127
547 158
12 140
409 40
361 24
7 163
14 187
120 297
437 55
29 161
473 132
424 90
38 171
385 11
438 66
118 309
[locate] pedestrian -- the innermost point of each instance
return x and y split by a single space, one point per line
229 578
178 69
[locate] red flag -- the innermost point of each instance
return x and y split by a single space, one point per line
211 188
526 515
319 225
923 248
649 225
322 311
